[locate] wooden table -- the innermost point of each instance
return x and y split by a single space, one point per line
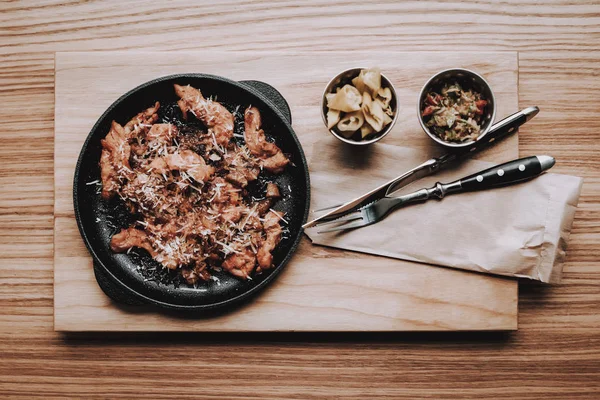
556 352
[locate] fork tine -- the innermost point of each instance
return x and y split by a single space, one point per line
347 225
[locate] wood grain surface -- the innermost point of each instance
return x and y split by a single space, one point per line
554 355
321 289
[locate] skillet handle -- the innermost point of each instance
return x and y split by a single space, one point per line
274 96
113 290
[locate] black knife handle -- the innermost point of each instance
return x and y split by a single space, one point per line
507 173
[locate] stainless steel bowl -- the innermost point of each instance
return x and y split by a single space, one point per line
345 77
468 80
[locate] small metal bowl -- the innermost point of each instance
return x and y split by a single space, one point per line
345 77
468 80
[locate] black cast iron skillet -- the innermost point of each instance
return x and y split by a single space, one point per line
135 278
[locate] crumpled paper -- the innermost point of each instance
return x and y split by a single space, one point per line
520 230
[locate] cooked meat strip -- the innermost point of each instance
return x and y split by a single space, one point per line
131 237
251 222
273 159
172 249
255 136
108 175
271 196
191 163
216 117
138 149
158 166
188 188
272 191
264 206
161 134
241 177
175 252
153 139
224 193
150 195
114 160
237 178
199 272
232 214
249 172
240 264
276 163
142 121
273 237
195 224
190 276
242 166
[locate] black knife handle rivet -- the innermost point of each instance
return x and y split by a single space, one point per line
507 173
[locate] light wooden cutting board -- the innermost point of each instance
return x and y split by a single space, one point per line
321 289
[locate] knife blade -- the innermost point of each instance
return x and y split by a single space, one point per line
498 131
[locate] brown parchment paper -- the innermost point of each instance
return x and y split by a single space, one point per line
520 230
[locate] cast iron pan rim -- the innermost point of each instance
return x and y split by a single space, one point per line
233 300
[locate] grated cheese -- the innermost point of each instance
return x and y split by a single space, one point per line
248 217
161 193
278 216
228 249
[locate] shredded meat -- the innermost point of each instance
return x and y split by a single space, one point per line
242 166
241 178
114 160
161 134
224 193
272 191
188 189
275 163
192 276
211 113
273 237
158 166
141 122
241 264
129 238
271 196
191 163
255 136
272 158
263 206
